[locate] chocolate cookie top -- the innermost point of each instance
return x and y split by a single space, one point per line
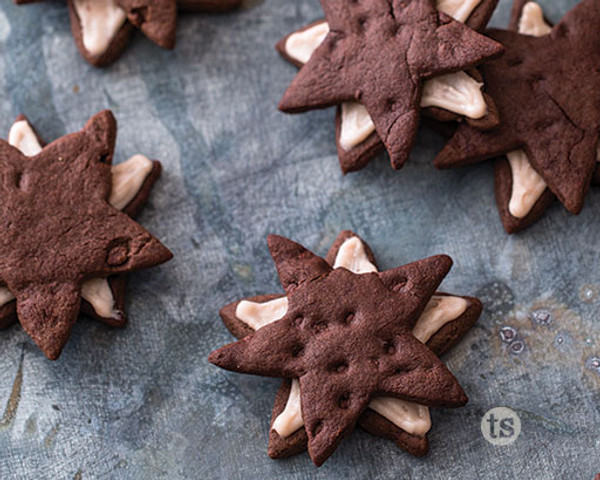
378 53
444 321
450 97
347 338
547 90
60 230
132 181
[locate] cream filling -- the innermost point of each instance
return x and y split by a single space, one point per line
527 184
22 137
98 293
532 21
456 92
353 256
127 179
301 45
438 312
100 21
408 416
355 125
290 420
460 10
257 315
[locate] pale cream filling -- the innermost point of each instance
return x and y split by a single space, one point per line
98 293
355 125
527 184
532 21
290 420
411 417
22 136
353 256
301 45
455 92
438 312
127 179
460 10
100 21
257 315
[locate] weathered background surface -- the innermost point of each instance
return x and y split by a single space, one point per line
143 403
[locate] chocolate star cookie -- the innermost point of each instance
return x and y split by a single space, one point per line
132 182
444 322
378 53
351 341
547 90
65 239
452 96
103 28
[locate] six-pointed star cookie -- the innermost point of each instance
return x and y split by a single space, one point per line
132 182
378 53
448 97
547 89
103 28
62 235
348 340
445 320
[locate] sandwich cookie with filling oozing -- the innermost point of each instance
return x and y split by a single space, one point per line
350 342
381 61
103 28
448 97
443 323
69 238
547 90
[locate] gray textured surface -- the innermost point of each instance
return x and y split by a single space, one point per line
143 403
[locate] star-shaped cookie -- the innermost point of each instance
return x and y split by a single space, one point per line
65 239
378 54
103 28
351 341
448 97
132 182
444 322
547 90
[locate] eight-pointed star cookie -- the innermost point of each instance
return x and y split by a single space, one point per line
444 322
379 53
63 234
103 28
348 340
547 90
449 97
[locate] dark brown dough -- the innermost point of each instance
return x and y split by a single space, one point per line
60 230
547 90
346 337
378 53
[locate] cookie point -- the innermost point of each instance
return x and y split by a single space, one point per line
444 262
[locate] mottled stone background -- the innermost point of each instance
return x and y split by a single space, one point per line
143 403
